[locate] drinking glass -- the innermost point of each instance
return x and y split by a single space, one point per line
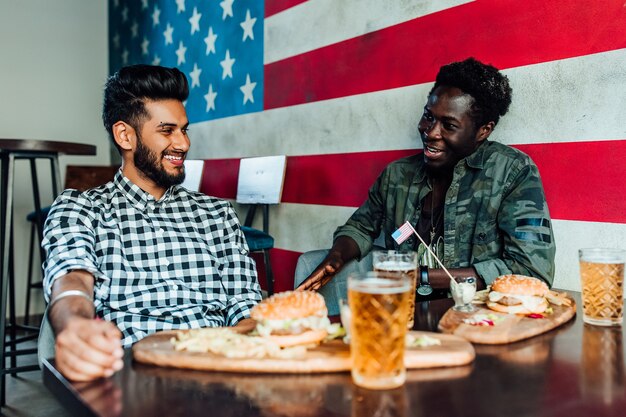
399 262
379 303
463 293
602 282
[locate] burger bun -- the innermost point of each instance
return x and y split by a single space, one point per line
309 337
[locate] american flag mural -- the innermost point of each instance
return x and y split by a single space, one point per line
342 84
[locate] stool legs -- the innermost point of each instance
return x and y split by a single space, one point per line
30 274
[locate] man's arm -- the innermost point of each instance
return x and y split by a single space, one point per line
86 349
526 229
344 250
440 280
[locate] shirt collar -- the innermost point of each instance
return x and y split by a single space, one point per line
135 194
477 159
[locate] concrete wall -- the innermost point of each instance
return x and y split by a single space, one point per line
53 64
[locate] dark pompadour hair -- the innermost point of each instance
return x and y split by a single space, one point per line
488 86
126 92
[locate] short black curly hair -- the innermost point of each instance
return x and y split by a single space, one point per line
126 92
488 87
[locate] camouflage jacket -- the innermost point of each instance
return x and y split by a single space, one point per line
495 218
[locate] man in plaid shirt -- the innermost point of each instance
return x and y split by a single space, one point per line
141 252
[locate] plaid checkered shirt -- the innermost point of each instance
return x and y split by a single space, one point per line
176 263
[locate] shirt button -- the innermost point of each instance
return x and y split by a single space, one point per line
165 262
174 287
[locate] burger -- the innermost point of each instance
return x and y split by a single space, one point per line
292 318
518 294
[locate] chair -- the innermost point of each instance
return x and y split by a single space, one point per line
260 183
78 177
45 342
337 288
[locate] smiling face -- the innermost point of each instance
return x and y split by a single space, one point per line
155 155
447 130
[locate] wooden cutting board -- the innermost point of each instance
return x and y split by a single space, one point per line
333 356
508 327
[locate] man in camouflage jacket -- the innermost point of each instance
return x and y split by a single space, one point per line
489 195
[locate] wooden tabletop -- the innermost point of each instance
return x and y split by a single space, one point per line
46 146
574 370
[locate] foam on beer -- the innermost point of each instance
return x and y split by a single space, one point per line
394 266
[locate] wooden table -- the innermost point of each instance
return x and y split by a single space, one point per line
10 151
575 370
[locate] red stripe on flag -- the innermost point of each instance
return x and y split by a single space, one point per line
283 266
276 6
505 33
335 179
219 178
583 180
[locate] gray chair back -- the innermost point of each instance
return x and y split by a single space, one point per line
45 343
337 288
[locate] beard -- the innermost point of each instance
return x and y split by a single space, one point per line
150 165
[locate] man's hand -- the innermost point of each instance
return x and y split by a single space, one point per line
87 349
323 273
245 326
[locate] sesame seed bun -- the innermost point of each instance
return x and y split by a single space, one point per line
290 305
519 284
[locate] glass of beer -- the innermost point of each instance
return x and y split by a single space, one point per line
602 282
379 303
399 262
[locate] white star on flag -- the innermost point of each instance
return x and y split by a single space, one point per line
247 89
180 53
156 15
195 76
210 98
124 14
144 46
247 26
227 65
169 30
195 21
227 6
116 4
180 4
210 41
134 30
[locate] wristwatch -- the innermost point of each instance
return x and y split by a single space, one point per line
424 288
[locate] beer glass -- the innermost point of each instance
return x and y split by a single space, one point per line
403 262
379 303
602 282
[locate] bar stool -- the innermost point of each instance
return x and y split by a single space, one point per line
10 151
